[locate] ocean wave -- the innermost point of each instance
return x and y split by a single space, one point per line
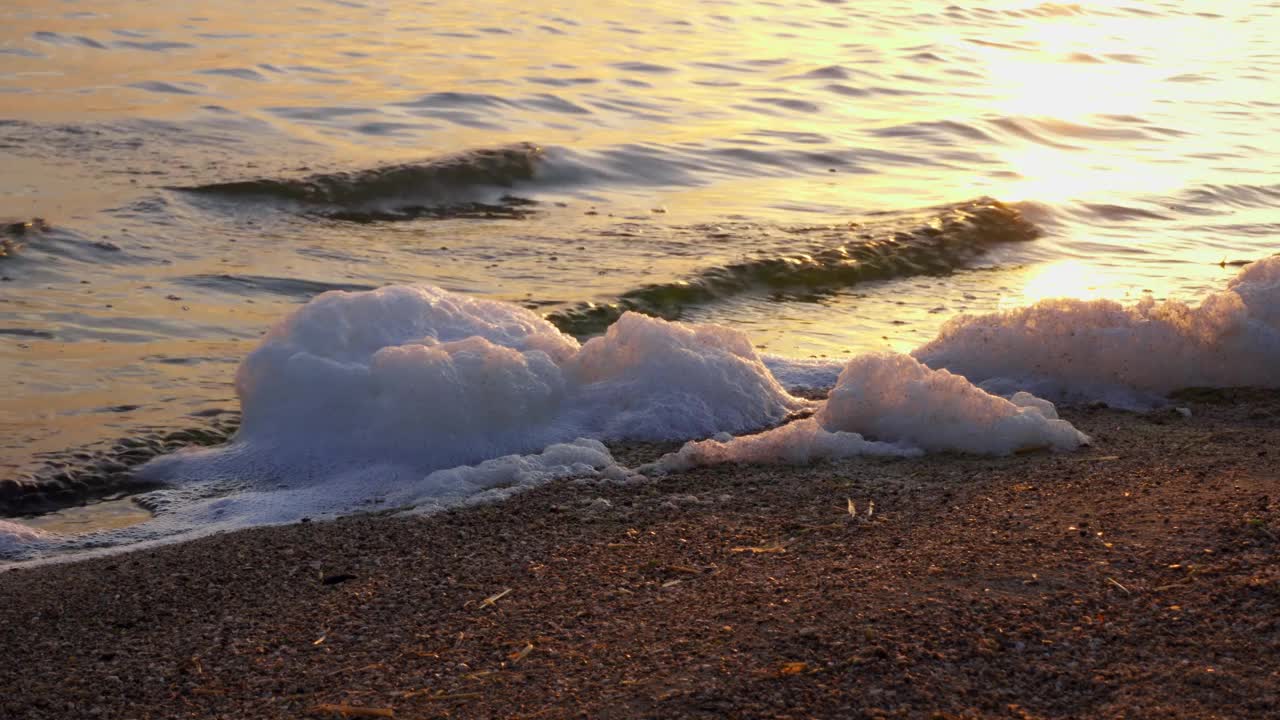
15 233
268 284
1231 196
934 242
461 178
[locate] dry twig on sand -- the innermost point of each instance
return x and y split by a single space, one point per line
350 711
493 599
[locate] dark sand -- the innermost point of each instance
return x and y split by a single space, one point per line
1137 578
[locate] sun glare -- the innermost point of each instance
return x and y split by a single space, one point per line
1066 279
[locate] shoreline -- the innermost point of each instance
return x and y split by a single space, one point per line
1134 578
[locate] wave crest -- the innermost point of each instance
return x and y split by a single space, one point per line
453 179
941 242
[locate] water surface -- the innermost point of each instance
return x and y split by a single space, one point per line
203 170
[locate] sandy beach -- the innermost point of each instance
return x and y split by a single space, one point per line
1135 578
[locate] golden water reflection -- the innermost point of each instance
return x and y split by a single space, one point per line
1066 279
107 515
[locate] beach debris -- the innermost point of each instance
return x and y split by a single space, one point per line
1183 411
853 510
336 579
350 711
759 549
520 654
792 668
439 697
494 598
1115 582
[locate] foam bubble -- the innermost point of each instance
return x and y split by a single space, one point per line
1129 356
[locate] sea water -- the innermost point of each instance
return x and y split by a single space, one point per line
827 179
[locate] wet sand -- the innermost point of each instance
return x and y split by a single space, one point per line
1139 577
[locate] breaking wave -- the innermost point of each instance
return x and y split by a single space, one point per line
935 242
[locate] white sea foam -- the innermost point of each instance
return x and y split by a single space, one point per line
500 478
1129 356
648 379
383 398
384 487
391 397
797 443
907 407
894 397
413 380
16 538
196 509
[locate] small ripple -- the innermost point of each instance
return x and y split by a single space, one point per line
846 90
267 284
932 129
555 104
168 88
1234 195
643 67
803 138
59 39
155 46
561 82
239 73
455 100
789 104
1016 128
1189 78
316 114
1122 213
388 129
1026 47
26 333
829 72
1076 130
